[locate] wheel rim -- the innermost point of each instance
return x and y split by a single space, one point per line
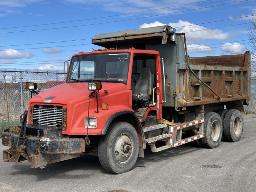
123 148
237 126
215 133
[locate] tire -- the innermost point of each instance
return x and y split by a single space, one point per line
118 150
222 115
233 125
212 130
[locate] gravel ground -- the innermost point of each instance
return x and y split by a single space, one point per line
231 167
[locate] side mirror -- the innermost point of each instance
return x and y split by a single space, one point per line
31 86
66 65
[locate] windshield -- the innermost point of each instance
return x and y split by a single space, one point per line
102 67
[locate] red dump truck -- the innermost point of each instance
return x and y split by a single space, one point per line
141 90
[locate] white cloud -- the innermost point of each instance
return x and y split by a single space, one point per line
198 32
49 67
233 48
154 24
193 32
52 50
141 6
8 54
199 48
8 6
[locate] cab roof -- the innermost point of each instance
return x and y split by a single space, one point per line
132 50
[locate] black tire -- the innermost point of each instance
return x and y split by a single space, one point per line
118 150
212 130
222 115
233 125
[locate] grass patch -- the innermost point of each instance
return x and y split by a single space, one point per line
5 124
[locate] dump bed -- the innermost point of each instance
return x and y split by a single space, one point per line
189 81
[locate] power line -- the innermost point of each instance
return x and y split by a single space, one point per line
116 15
29 63
43 43
113 21
192 31
59 46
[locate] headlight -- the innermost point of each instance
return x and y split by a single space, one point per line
90 122
93 86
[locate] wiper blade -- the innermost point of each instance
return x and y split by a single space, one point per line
77 80
99 79
114 79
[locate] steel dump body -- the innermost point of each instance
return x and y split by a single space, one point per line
189 81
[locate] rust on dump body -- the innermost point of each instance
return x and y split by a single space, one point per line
215 79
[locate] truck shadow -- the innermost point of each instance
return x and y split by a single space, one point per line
170 154
88 166
83 168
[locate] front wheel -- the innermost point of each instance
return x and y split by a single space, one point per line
118 150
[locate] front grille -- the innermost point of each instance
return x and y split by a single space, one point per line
48 116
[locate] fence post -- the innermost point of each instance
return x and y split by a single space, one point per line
21 94
6 98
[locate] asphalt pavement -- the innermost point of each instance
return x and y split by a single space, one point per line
230 167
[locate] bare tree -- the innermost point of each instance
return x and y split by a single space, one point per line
252 36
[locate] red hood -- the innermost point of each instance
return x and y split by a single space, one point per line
68 93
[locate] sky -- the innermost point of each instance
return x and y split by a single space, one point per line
42 34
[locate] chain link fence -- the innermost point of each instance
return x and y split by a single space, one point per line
252 106
13 95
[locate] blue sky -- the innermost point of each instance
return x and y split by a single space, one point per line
42 34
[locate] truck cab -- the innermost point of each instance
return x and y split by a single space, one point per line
102 89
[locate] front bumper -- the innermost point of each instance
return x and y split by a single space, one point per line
41 151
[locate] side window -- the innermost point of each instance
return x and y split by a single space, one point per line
75 70
143 81
140 64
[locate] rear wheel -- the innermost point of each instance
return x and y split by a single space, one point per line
118 150
233 125
212 130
